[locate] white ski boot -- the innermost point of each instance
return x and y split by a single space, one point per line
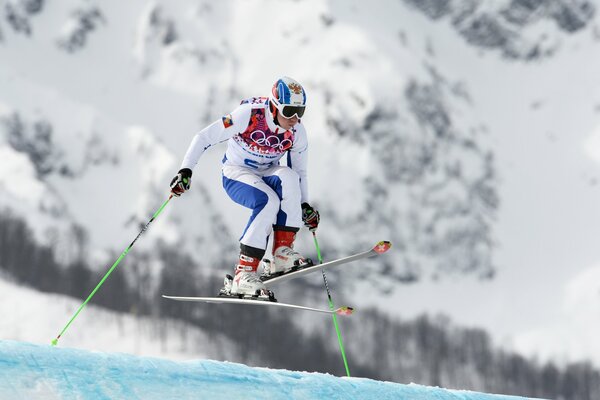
285 258
246 282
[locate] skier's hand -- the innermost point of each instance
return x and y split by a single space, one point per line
181 182
310 217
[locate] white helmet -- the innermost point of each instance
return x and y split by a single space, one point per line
289 97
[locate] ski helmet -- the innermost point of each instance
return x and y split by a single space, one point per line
288 97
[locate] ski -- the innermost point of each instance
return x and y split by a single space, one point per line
236 300
378 249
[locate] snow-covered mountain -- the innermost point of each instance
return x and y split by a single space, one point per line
517 29
139 83
461 130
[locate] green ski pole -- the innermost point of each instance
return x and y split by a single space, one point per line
55 341
332 307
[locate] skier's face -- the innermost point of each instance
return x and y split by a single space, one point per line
286 123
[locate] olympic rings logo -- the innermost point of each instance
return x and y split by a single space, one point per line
272 141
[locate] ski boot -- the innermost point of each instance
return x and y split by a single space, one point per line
246 284
285 258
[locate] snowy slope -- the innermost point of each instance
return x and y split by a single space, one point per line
42 372
543 119
38 317
431 125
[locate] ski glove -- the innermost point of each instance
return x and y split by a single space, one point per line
310 217
181 182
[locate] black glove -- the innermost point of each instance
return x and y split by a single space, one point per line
310 217
181 182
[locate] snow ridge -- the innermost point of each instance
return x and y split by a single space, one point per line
35 372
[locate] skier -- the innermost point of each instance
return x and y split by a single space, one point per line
260 131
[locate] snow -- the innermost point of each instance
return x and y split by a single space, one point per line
591 145
543 121
579 308
36 317
15 169
43 372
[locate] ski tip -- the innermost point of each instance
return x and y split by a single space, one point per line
382 246
344 310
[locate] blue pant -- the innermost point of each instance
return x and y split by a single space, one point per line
273 195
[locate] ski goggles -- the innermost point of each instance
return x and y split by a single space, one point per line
288 111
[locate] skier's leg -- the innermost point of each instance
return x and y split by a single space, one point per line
249 190
286 183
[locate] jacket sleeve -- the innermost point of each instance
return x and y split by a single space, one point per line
217 132
298 160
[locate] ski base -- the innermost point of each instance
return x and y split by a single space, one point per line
260 302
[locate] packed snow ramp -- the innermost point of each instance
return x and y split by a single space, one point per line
30 371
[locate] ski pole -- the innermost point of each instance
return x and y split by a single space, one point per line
331 306
55 341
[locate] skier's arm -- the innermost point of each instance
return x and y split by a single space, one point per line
217 132
298 160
